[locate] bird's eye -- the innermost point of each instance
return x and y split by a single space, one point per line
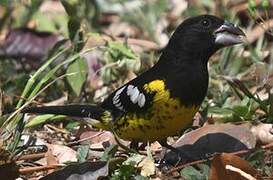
205 23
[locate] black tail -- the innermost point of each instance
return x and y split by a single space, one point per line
84 111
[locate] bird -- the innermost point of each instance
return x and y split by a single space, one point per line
162 101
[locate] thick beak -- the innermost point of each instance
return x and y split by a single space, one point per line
228 34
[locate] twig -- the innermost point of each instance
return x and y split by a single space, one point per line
258 30
84 139
38 168
1 102
31 156
179 167
268 146
132 41
140 42
120 143
59 101
58 130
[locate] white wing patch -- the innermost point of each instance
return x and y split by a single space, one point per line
141 100
135 96
116 100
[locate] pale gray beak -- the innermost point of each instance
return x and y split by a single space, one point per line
228 34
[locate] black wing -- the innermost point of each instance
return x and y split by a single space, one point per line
131 97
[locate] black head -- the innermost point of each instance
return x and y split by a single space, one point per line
203 35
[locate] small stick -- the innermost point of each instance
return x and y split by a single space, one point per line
31 156
38 168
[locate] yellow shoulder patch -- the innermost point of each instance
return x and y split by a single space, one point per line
159 88
155 86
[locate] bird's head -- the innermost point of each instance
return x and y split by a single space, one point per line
203 35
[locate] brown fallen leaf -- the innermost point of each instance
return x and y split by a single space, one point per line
62 153
98 139
229 167
210 139
240 132
50 159
28 43
263 133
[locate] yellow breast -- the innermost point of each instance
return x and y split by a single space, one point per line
166 117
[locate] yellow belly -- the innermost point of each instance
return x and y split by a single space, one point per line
167 116
167 120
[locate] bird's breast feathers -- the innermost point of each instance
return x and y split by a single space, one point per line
164 117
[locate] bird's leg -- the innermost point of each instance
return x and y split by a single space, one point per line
142 146
120 143
134 145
